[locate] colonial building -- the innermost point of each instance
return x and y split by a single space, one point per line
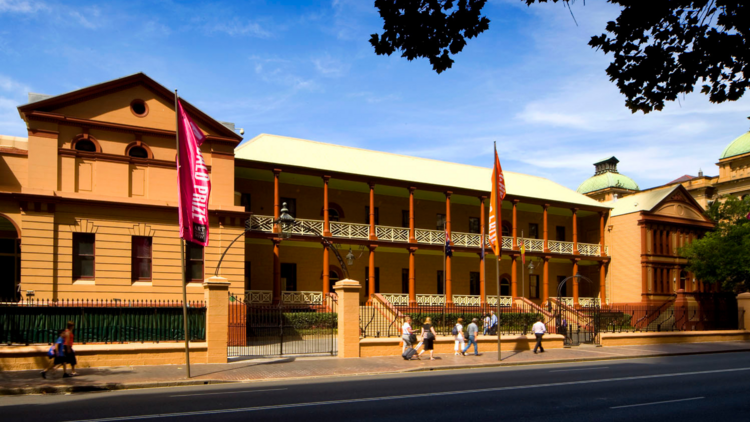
88 210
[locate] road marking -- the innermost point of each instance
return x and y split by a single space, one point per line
402 397
227 392
580 369
657 402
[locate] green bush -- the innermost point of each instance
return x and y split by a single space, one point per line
311 320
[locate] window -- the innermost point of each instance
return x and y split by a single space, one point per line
504 287
291 205
333 215
564 291
367 215
440 284
289 277
473 225
138 152
193 262
139 108
405 218
507 229
85 145
404 280
533 231
533 286
377 279
474 283
440 224
560 233
248 283
83 255
246 201
141 258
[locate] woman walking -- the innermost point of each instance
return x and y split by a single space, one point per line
458 337
406 335
428 337
70 354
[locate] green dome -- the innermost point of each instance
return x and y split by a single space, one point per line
739 146
607 180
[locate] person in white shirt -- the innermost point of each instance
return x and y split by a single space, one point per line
539 329
459 337
406 332
486 324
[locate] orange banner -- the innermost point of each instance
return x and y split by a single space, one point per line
496 202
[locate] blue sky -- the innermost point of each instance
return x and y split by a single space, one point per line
305 69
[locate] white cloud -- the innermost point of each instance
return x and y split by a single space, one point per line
238 28
330 67
21 6
12 94
88 18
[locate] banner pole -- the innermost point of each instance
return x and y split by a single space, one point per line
497 312
182 243
445 257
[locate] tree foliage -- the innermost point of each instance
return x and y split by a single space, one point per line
723 255
660 49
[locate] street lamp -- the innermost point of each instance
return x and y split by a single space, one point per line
531 267
286 222
350 257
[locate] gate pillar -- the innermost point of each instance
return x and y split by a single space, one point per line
743 304
348 318
216 295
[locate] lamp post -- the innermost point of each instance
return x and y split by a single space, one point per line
287 224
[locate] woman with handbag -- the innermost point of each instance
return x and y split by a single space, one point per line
458 337
428 337
408 338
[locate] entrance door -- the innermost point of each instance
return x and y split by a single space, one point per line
10 258
289 277
474 283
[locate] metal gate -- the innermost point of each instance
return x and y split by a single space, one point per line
578 325
282 329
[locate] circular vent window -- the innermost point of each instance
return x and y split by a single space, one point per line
139 108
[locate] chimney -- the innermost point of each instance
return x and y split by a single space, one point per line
700 172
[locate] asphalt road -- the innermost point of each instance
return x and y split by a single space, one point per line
713 388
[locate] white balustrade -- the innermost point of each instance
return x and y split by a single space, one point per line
588 249
560 247
430 300
350 230
433 237
505 301
392 234
313 227
262 223
507 243
534 245
589 302
258 296
467 300
302 298
567 301
400 299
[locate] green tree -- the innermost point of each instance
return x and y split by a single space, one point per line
660 49
723 255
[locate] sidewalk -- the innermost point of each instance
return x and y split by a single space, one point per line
116 378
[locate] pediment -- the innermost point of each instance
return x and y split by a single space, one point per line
680 209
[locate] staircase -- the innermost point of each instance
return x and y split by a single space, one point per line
379 318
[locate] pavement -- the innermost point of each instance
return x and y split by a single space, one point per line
294 367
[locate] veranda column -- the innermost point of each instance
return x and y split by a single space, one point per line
482 274
575 230
412 231
326 270
371 272
515 226
644 266
513 276
412 278
575 281
603 282
276 270
448 288
546 239
326 217
601 234
373 235
545 280
276 199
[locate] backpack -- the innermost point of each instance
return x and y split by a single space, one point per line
454 331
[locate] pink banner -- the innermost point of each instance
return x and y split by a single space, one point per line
194 184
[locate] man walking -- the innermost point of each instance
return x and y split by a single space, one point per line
493 323
473 331
539 329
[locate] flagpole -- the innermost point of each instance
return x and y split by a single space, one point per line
445 296
182 242
523 268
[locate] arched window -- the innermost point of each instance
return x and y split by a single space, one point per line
504 287
333 215
138 149
507 228
138 152
85 145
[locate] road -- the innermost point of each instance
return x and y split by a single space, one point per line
681 388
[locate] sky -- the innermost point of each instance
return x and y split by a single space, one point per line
305 69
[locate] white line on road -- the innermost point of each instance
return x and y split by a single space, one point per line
657 402
228 392
580 369
411 396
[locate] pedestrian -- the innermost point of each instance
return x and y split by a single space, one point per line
472 331
57 356
539 329
428 337
485 324
406 332
493 323
70 354
458 337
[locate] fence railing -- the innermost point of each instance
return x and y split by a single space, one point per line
96 321
693 317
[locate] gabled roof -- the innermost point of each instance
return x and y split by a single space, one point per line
681 179
57 101
648 200
295 152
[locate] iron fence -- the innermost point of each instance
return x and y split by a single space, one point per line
669 317
100 321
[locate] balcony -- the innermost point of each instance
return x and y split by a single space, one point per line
341 230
